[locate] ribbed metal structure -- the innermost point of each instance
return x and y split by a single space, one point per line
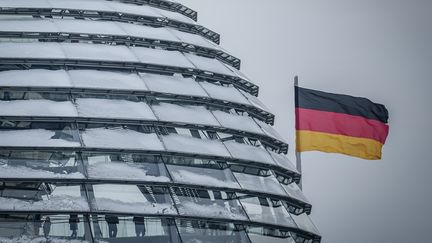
124 121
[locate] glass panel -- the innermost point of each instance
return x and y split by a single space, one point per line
266 184
38 164
187 144
242 123
203 176
38 134
113 108
193 231
209 64
125 167
228 93
269 235
185 114
117 137
294 191
44 228
173 85
133 199
114 228
106 80
266 210
84 51
35 50
37 196
283 161
208 203
304 222
37 108
35 78
249 152
161 57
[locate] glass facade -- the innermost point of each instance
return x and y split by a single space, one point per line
124 121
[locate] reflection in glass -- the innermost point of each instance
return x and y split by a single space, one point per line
39 164
266 210
37 196
266 183
192 231
44 228
115 228
269 235
133 199
126 167
208 203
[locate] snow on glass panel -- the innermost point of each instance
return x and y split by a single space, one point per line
209 64
269 235
88 27
37 228
185 114
193 231
161 57
283 161
118 228
237 122
37 196
148 32
39 138
83 51
294 191
35 50
39 164
227 93
249 152
305 223
175 16
35 78
193 39
133 199
125 167
266 184
203 176
142 10
37 108
106 80
173 85
269 130
254 101
113 108
28 25
187 144
266 210
120 138
208 203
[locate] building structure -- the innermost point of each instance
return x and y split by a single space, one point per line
124 121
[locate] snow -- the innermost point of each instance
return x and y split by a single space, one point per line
37 108
27 172
224 93
120 138
35 137
209 64
255 238
237 122
185 114
270 131
122 171
141 10
268 184
34 50
34 78
304 222
186 144
28 25
38 239
99 52
175 16
161 57
210 209
193 39
255 101
202 176
54 203
106 80
249 152
111 108
264 214
294 191
173 85
283 161
127 198
24 4
79 4
147 32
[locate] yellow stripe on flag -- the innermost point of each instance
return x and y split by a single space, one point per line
333 143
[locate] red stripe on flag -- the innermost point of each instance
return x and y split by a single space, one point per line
340 123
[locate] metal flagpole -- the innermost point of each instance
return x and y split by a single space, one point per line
298 154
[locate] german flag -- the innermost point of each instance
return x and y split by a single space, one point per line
336 123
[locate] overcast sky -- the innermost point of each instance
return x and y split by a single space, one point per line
379 49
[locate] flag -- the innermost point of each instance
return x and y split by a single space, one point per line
337 123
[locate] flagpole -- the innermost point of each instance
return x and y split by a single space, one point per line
298 154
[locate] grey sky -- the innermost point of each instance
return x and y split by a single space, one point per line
380 49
